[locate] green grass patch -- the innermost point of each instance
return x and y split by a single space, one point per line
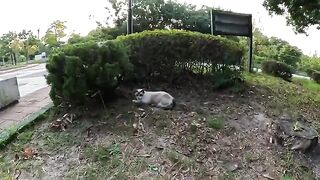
308 84
216 122
294 95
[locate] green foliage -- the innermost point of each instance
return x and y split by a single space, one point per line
316 76
55 33
161 14
79 70
177 53
309 64
277 69
216 122
300 14
274 48
225 77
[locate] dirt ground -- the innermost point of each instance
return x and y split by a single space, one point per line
209 135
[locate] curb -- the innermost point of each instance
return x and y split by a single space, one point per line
9 133
13 69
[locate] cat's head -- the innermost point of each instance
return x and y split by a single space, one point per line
139 93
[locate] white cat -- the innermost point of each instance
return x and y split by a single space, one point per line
159 99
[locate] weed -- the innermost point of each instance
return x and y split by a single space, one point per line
25 137
101 153
216 122
228 176
294 170
286 177
53 141
179 160
152 167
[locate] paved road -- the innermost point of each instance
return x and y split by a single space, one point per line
29 79
293 75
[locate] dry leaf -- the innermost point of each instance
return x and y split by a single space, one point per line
28 153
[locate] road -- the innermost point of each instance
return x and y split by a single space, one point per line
293 75
29 79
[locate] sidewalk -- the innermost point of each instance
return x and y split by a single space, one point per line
27 106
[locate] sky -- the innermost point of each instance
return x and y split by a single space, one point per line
16 15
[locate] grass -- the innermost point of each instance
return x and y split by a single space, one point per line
216 122
293 169
10 66
308 84
179 160
286 95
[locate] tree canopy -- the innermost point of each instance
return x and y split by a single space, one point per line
300 14
161 14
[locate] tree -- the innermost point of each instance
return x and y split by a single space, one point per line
161 14
30 43
290 55
6 40
265 48
16 46
55 33
50 39
299 13
58 27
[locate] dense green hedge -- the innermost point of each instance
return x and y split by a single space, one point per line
278 69
77 71
173 53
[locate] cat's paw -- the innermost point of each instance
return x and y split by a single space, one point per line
134 101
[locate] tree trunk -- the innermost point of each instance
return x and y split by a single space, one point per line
11 57
15 59
27 57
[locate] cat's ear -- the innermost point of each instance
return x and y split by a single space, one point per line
142 90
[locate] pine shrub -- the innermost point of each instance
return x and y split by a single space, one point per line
78 71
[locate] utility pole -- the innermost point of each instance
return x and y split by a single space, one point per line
38 33
130 19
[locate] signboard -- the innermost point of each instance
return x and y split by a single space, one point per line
233 24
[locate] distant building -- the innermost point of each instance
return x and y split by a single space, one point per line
40 57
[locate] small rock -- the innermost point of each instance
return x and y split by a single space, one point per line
232 166
260 169
267 176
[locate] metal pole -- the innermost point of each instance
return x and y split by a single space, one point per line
212 19
130 21
250 45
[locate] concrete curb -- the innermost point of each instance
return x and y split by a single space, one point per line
13 69
9 133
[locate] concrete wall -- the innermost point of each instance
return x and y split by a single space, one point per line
9 91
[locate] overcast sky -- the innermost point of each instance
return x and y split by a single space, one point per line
16 15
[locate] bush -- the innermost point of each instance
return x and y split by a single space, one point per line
277 69
316 76
170 54
77 71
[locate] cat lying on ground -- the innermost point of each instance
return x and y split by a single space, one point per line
159 99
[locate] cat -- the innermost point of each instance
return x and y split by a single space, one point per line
159 99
